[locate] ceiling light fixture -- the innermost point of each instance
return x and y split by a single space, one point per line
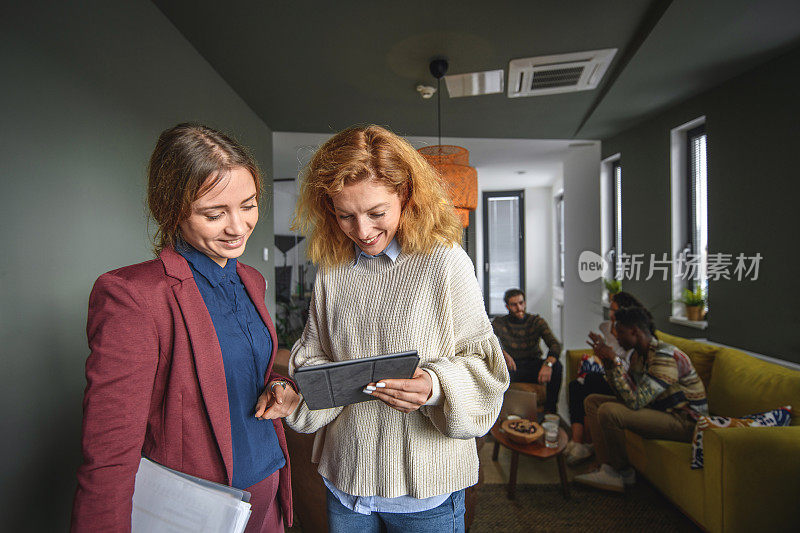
452 162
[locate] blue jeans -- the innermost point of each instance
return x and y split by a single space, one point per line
448 517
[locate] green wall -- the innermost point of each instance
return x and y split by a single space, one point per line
753 146
87 87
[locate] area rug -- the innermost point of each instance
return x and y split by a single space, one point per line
543 508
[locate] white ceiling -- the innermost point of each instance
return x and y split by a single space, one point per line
495 159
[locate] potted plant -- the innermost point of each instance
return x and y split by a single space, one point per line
695 302
613 286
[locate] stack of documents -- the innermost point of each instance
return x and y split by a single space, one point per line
167 501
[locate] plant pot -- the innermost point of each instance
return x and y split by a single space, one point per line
694 312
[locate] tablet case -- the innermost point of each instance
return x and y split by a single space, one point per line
342 383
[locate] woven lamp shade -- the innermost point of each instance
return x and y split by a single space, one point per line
461 180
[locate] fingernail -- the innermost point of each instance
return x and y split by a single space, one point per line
367 391
380 384
370 387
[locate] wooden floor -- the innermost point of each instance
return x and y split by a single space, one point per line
530 470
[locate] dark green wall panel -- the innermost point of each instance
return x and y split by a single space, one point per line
753 147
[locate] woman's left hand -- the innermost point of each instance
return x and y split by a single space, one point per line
405 395
277 401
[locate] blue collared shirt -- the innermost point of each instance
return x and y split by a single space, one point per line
391 251
246 348
369 504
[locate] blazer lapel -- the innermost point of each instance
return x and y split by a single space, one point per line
207 353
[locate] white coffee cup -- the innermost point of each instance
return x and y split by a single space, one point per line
552 418
550 434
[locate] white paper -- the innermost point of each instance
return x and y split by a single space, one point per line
165 501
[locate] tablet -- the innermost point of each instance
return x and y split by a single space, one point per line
341 383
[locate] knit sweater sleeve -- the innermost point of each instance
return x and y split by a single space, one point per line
554 347
473 376
312 348
499 328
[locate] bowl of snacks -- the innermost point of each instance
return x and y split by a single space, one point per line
522 430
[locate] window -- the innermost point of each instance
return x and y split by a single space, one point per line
611 214
503 247
560 271
616 171
697 196
690 229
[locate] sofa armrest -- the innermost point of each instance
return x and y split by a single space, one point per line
574 362
752 478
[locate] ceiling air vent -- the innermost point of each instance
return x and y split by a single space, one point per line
563 73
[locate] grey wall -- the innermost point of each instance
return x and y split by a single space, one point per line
87 87
582 311
753 140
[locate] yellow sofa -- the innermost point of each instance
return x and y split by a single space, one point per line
751 478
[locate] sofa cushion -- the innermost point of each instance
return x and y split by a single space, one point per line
776 417
701 354
666 465
743 384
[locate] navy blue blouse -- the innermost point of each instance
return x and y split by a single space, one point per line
246 350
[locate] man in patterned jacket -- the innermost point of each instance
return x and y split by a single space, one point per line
659 398
520 334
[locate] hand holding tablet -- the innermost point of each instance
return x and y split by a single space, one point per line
342 383
405 395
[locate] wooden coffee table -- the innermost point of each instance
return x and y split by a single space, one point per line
536 449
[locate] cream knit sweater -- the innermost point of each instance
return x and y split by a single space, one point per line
425 302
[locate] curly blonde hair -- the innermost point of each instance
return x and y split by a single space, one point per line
373 152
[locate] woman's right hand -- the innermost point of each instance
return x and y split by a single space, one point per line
278 400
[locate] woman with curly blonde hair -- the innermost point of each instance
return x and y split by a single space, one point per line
427 218
393 278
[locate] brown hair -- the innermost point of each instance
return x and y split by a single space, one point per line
188 160
372 152
625 299
510 293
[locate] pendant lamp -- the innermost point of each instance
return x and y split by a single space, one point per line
452 162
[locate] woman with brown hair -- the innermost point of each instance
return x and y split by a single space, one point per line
182 346
393 278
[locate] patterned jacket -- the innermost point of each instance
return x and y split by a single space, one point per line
665 380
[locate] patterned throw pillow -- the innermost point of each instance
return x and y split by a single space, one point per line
777 417
590 364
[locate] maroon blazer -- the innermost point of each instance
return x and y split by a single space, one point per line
156 387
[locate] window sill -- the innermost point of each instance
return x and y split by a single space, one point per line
683 321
